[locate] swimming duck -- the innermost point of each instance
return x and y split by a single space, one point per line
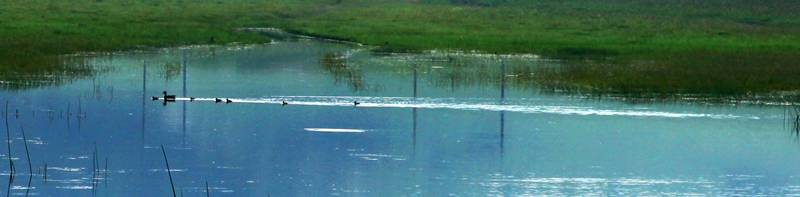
191 99
217 100
228 101
155 98
169 97
284 103
356 103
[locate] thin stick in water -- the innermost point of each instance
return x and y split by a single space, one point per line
106 172
96 159
8 143
94 170
28 188
8 189
169 172
94 163
27 153
207 193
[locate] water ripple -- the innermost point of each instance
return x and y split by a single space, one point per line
510 105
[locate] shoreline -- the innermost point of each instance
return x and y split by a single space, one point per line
690 53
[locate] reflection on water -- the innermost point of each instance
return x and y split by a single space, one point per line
438 125
485 104
344 73
59 71
169 70
585 79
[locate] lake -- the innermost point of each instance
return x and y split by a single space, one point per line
431 124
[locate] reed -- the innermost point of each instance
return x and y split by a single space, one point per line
676 75
791 117
169 172
344 73
673 76
95 167
105 174
27 153
28 188
8 189
8 143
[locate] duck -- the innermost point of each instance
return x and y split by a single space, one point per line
284 103
228 101
191 99
356 103
168 97
217 100
155 98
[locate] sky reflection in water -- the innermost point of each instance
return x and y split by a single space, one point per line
453 138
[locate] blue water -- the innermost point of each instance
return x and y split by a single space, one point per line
456 137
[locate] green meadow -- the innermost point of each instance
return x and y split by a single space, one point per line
727 47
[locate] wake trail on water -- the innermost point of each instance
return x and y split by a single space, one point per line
487 104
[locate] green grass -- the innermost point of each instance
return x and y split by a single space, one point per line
734 46
34 33
576 28
639 48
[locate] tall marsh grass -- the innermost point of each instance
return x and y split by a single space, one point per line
724 76
664 46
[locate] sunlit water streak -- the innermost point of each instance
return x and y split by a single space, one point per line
333 130
621 186
509 105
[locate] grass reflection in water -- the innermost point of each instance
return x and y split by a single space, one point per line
699 76
47 72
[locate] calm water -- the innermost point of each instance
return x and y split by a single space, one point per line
451 135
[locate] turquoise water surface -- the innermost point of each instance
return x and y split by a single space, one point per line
431 124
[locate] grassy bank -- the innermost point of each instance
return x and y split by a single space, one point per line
710 42
52 27
564 29
34 33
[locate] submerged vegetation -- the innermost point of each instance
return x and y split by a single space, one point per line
632 81
727 74
344 73
169 70
46 72
656 47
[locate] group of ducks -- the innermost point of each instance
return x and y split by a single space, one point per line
171 97
168 97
